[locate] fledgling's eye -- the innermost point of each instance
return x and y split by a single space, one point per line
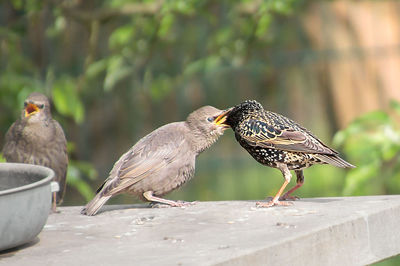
25 104
210 119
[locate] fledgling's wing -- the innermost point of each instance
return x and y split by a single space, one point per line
10 149
149 156
57 152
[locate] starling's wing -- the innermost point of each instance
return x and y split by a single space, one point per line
10 149
147 157
58 157
259 133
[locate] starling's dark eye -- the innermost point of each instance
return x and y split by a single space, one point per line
210 119
40 106
25 104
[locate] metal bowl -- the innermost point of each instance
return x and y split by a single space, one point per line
25 202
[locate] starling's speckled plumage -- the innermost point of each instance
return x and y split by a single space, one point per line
276 141
161 161
36 138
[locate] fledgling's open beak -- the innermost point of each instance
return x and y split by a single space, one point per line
220 119
31 109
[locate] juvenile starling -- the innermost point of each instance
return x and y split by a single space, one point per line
276 141
161 161
36 138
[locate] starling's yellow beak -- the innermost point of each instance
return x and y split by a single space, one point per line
31 109
221 119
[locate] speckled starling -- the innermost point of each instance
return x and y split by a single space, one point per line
36 138
276 141
161 161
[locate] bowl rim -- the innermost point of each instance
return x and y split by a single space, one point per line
47 172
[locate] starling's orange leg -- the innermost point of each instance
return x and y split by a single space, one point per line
287 196
300 182
150 197
275 201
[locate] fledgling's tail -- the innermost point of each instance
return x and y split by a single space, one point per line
334 160
95 204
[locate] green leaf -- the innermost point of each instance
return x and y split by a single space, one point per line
122 36
86 168
211 63
194 67
208 64
284 7
66 99
165 25
184 6
116 71
96 68
83 188
263 25
57 28
74 177
224 36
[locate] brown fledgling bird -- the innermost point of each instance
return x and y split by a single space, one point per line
276 141
161 161
36 138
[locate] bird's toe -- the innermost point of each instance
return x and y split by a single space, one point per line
181 203
158 205
288 197
178 203
273 203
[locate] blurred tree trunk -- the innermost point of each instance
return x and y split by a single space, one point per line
358 43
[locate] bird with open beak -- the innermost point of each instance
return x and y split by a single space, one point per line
161 161
36 138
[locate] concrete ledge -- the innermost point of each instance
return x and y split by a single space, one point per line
318 231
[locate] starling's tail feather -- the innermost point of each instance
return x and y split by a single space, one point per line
95 204
334 160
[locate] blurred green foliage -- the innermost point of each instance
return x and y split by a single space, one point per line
116 70
372 141
77 171
86 55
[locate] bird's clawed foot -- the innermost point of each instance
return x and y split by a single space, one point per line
285 197
181 203
288 197
156 202
171 203
55 211
271 203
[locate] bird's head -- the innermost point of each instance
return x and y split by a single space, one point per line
208 120
241 111
207 124
36 107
